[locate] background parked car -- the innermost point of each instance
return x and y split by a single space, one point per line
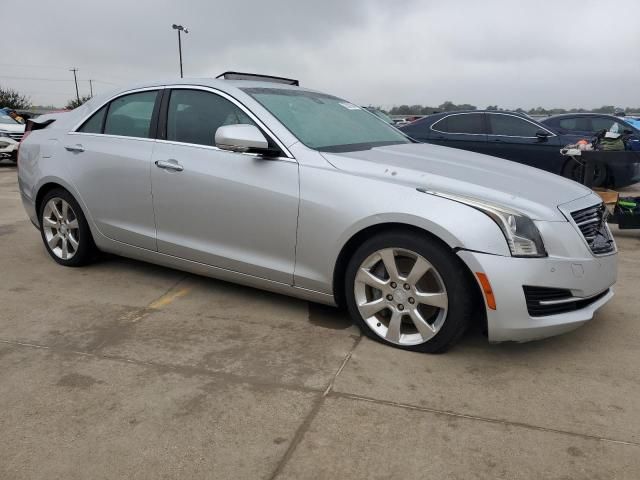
11 133
512 136
588 124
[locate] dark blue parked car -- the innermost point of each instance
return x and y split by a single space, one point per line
513 136
588 124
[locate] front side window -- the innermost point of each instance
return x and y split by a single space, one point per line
326 123
469 123
195 115
130 116
598 124
511 126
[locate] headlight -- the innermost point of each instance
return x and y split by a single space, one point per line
4 134
521 233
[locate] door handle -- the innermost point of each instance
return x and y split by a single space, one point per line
169 165
74 148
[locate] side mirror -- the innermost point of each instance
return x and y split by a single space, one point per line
242 138
542 135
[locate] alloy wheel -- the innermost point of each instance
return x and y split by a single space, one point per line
401 296
61 229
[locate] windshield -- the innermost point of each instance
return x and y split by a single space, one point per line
326 123
6 119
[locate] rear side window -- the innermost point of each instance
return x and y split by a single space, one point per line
94 124
607 124
130 116
469 123
575 124
195 115
511 126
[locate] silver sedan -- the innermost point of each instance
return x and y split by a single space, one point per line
261 182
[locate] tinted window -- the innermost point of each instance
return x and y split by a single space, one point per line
130 116
598 124
94 124
195 115
463 123
511 126
575 124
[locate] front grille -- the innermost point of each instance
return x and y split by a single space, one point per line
16 136
536 296
592 223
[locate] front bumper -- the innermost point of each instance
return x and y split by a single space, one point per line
8 146
510 321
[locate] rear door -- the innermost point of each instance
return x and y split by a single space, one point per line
109 159
231 210
515 138
466 131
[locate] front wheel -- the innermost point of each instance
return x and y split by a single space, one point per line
573 170
409 291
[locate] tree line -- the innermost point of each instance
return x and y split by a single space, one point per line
449 106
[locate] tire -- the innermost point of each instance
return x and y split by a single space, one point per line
444 273
573 170
65 226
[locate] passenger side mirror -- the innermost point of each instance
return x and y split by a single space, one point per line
243 139
542 135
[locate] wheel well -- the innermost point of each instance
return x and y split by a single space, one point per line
359 238
44 189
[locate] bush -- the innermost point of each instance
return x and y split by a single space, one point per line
13 99
75 103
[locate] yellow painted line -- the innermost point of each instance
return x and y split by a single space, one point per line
168 298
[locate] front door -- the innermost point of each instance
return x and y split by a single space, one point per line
515 138
230 210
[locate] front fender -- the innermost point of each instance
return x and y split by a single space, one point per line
335 206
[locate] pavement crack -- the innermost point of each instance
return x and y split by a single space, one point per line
435 411
306 423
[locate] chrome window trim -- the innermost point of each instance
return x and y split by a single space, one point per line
551 134
215 91
456 133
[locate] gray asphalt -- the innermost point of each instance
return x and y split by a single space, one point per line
128 370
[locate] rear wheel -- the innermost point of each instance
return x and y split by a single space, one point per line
409 291
64 229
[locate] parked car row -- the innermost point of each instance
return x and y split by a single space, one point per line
261 182
517 137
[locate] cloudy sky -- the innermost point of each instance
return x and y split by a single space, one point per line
512 53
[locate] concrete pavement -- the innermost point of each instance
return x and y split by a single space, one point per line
128 370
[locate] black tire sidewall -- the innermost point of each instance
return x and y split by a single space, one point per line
450 268
86 248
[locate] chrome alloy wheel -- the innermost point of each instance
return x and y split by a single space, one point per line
61 229
401 296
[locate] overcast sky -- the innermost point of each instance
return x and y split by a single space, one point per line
512 53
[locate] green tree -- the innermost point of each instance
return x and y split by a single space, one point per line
492 108
74 103
13 99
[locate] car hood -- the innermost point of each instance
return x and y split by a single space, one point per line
12 128
529 190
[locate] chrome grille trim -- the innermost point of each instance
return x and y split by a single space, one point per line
16 136
592 223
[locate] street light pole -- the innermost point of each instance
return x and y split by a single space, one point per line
180 28
74 70
91 87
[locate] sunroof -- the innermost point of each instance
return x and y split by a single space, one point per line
258 77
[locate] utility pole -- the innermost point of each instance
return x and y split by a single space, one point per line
91 87
75 77
180 28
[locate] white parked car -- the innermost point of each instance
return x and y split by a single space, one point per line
261 182
11 132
